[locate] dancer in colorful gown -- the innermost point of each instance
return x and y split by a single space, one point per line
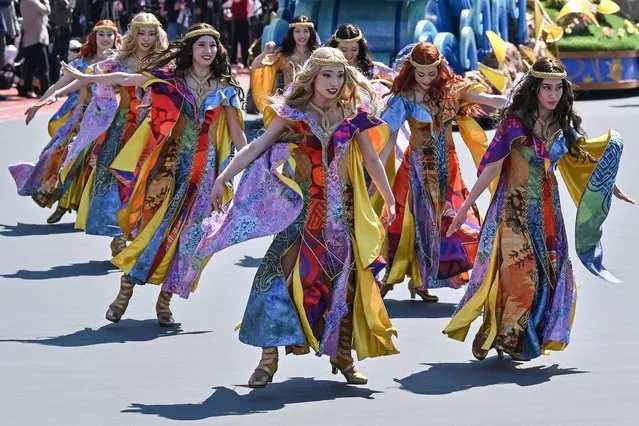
272 70
114 115
315 287
194 119
41 181
522 277
428 188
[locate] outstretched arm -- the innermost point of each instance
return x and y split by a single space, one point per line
257 62
237 134
495 101
245 157
113 79
489 173
376 170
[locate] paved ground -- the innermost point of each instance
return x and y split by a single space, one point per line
62 363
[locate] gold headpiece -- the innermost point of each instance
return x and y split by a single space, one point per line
301 25
105 27
548 75
155 24
348 40
332 62
423 66
202 32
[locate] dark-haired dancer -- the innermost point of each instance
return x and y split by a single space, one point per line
272 70
195 117
522 278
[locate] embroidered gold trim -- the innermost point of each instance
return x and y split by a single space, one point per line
202 32
548 75
301 25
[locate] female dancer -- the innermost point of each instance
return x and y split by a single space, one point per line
195 114
41 180
271 70
522 276
111 124
315 287
428 188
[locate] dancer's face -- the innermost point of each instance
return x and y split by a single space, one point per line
301 36
105 39
425 77
146 39
204 51
329 82
350 49
549 93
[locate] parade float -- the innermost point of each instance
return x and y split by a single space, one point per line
597 40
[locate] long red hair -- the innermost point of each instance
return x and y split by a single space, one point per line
425 53
90 47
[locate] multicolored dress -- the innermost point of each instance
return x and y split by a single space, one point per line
119 109
522 278
180 150
429 190
310 193
277 71
56 177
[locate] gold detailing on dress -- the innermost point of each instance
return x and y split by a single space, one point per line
202 32
325 125
548 75
163 309
266 369
121 302
301 25
344 363
545 134
201 83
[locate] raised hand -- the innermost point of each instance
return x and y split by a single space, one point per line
269 47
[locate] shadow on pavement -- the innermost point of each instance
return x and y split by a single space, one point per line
249 262
445 378
92 268
127 330
226 402
29 229
417 309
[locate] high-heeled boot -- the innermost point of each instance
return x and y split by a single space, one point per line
424 294
163 309
344 361
266 369
56 216
117 245
121 302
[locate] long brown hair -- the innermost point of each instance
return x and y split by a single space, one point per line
181 51
525 103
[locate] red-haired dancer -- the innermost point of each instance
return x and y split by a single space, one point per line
428 188
40 181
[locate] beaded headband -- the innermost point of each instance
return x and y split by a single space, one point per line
202 32
422 66
156 24
348 40
548 75
301 25
333 62
105 27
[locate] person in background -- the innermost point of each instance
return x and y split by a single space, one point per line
35 17
241 34
61 19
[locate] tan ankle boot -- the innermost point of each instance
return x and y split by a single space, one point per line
121 302
117 245
163 309
344 361
266 369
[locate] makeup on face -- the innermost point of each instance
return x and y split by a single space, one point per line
146 38
425 78
329 82
549 93
204 51
301 36
350 49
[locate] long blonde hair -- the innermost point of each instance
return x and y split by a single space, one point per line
129 41
357 90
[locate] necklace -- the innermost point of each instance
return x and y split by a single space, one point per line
326 126
201 83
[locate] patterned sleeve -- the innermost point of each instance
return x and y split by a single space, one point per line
509 130
396 113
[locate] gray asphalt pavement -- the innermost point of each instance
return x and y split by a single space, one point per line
62 363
